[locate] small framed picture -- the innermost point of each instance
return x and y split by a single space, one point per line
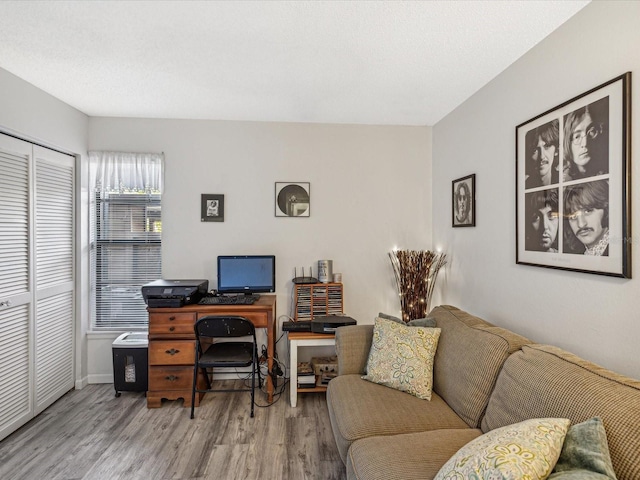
293 199
463 210
212 208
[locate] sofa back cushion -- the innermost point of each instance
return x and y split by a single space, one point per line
542 381
353 343
469 357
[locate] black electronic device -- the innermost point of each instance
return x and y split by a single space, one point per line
304 326
174 293
246 274
229 300
303 279
329 323
173 302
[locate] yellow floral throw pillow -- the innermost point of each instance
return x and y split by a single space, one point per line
401 357
526 450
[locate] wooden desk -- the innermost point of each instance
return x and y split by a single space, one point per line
304 339
172 345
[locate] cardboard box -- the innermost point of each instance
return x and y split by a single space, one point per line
325 364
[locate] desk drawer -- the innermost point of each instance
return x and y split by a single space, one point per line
171 352
160 323
171 378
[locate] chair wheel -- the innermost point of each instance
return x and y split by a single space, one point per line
118 394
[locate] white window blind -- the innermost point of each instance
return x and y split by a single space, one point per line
126 236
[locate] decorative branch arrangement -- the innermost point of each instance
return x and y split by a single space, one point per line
416 272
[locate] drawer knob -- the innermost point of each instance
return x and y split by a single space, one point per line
172 318
171 329
172 351
171 378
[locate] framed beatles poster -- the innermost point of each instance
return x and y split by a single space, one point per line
573 182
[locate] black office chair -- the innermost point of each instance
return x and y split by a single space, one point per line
220 354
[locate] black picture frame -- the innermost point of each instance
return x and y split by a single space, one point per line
573 183
463 201
212 207
292 199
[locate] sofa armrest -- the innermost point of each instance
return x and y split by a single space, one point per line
353 343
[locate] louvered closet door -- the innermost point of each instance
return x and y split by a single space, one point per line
16 372
54 305
36 280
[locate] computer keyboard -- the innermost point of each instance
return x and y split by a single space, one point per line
235 300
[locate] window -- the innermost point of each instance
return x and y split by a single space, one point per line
126 237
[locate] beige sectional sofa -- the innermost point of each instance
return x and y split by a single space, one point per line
484 377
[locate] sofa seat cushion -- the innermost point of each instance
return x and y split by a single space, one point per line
409 456
546 381
361 409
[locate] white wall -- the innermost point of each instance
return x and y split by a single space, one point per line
31 114
593 316
370 191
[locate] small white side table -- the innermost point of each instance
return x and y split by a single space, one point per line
304 339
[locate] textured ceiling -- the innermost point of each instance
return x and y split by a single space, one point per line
365 62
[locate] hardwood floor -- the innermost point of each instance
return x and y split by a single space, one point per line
90 434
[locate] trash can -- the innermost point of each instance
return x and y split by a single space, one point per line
130 362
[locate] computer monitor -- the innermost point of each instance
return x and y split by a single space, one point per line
246 274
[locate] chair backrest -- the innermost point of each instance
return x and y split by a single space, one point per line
224 326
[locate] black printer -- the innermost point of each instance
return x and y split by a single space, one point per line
174 293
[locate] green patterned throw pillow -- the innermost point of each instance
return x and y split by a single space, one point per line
585 453
418 322
401 357
386 316
528 449
422 322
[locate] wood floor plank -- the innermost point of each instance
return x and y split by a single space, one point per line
90 434
267 461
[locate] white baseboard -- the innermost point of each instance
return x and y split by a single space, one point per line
100 378
81 383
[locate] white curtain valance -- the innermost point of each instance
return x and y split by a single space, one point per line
123 172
